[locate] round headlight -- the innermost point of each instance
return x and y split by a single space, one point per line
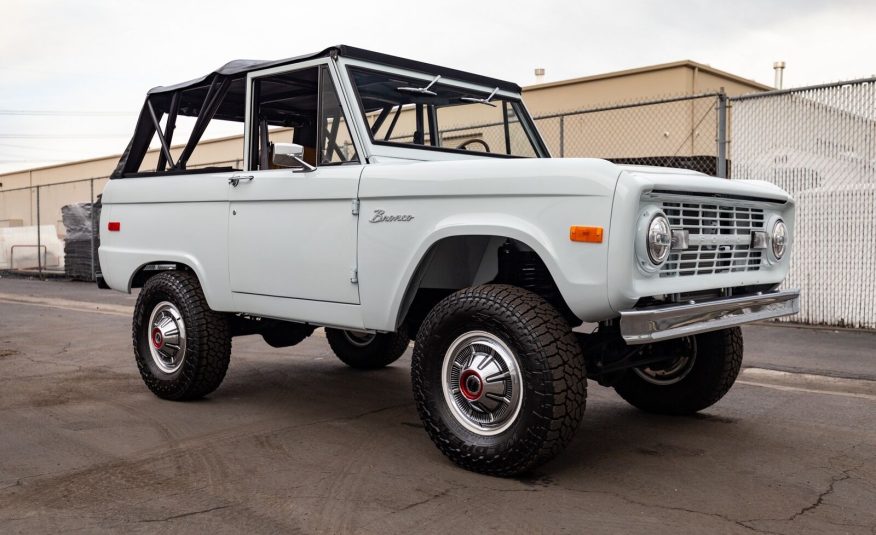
779 239
659 239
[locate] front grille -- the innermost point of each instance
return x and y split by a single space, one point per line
712 219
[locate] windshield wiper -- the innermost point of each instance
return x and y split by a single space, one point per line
482 100
421 90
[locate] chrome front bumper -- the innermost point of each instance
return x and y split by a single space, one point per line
652 324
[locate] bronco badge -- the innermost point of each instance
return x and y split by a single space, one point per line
381 217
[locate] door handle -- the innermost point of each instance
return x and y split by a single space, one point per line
235 180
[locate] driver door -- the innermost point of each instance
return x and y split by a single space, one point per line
292 230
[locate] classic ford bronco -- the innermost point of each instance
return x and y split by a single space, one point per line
387 200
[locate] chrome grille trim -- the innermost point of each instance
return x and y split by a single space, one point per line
713 217
698 197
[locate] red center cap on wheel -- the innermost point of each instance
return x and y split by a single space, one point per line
471 385
157 339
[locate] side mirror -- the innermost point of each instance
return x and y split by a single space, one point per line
290 155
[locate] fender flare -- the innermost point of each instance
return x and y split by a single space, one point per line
182 259
504 225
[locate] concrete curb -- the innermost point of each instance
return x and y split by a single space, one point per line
813 327
34 274
808 382
67 304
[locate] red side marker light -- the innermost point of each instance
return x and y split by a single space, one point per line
114 226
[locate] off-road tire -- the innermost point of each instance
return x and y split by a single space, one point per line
382 351
208 339
717 364
554 381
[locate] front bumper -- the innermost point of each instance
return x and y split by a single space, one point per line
663 322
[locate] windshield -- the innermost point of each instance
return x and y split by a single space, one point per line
428 114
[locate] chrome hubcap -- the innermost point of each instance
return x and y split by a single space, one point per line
167 337
359 339
674 370
482 383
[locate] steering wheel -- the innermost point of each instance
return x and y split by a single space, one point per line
464 145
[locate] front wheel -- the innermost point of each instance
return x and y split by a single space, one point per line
701 371
499 379
182 347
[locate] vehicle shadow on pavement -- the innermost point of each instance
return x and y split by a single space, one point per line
611 431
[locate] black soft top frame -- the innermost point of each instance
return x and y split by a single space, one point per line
222 93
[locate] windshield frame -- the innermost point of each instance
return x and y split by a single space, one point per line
514 101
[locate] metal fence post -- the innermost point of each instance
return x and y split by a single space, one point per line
91 184
562 136
39 235
722 134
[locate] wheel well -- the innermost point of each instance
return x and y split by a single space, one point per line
147 271
459 262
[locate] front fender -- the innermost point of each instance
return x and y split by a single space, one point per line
534 201
387 270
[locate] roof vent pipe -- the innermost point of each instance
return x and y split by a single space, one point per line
779 67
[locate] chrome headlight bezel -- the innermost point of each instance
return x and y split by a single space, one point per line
659 239
778 239
649 228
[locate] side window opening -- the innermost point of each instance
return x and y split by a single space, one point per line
195 130
221 144
300 107
284 111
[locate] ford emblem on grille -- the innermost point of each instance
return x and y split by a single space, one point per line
719 239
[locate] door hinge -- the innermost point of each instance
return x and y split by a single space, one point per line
354 276
355 206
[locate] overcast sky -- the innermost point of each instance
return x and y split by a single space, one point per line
100 56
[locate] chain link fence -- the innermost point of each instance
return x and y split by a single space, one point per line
52 229
670 132
48 229
819 144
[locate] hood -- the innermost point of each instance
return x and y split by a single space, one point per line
682 181
478 177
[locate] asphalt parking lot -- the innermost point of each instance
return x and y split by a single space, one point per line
295 442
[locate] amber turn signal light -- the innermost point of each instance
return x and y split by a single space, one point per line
586 234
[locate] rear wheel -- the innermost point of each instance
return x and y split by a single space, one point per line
499 379
701 372
182 347
366 351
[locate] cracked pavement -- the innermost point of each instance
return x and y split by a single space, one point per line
296 442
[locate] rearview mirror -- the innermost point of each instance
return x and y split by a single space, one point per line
290 155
